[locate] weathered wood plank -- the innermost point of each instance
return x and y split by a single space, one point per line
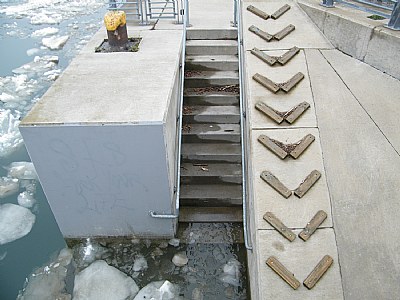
270 60
280 11
258 12
274 148
267 83
262 34
296 112
284 273
283 59
272 220
307 183
300 148
284 32
292 82
316 274
275 183
269 112
313 225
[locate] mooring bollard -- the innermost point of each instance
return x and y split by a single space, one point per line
115 22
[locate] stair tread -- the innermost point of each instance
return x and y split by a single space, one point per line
210 214
211 58
196 110
211 191
206 92
211 129
211 169
211 149
217 43
193 75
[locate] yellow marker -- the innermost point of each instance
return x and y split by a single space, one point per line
113 19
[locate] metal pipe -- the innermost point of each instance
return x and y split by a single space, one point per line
186 12
235 8
394 22
242 120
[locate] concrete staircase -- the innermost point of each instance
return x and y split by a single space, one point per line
211 176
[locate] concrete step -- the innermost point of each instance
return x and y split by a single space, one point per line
197 79
210 215
211 195
228 90
207 153
211 114
211 173
212 62
211 47
211 100
211 34
211 133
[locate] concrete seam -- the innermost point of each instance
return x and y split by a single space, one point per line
327 183
360 104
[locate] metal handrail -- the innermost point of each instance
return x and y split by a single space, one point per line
238 21
179 121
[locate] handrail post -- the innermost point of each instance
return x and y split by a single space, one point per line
235 10
327 3
394 22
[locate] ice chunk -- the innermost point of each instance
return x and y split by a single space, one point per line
26 199
10 137
15 222
174 242
231 273
8 186
88 252
180 259
140 264
101 281
42 18
45 32
22 170
159 290
4 97
33 51
55 42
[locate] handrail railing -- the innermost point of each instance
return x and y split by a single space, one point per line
243 137
179 121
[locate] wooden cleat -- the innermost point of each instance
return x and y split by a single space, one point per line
284 273
271 60
277 116
258 12
262 34
306 185
280 11
283 59
275 87
272 220
284 32
292 82
275 183
313 225
272 146
302 145
319 270
270 112
283 150
296 112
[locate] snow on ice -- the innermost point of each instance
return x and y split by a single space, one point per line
15 222
101 281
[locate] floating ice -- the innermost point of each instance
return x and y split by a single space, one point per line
180 259
88 252
26 199
140 264
22 170
101 281
55 42
8 186
33 51
52 75
15 222
231 273
159 290
174 242
4 97
48 282
10 137
45 32
43 18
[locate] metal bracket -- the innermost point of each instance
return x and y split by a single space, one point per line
301 190
269 37
284 273
162 216
272 220
313 225
289 116
280 11
258 12
275 87
320 269
283 150
271 60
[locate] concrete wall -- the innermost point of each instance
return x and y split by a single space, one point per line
350 31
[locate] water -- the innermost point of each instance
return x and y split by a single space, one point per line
27 70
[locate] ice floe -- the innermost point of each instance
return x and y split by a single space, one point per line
15 222
101 281
55 42
26 199
45 32
174 242
231 273
140 264
88 252
180 259
159 290
49 282
10 137
32 51
22 170
8 186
